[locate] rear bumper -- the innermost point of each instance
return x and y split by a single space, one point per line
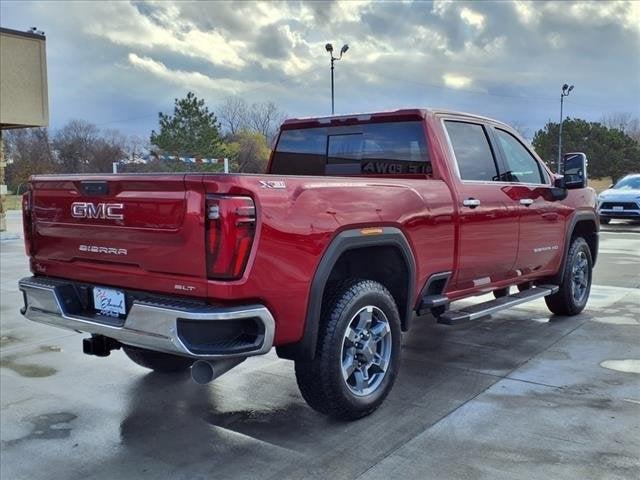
168 325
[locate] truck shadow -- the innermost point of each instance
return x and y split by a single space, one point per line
254 418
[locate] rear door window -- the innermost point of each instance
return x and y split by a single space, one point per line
473 153
370 149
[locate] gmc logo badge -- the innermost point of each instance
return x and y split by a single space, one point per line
106 211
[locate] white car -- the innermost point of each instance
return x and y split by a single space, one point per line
621 200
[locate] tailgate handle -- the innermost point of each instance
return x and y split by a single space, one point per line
94 187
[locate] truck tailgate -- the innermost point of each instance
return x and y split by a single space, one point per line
148 223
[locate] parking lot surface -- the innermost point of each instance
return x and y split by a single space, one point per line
522 394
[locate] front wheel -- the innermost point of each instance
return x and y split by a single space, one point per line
357 354
575 285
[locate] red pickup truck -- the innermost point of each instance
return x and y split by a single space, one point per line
363 224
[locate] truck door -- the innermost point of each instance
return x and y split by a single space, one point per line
488 218
541 219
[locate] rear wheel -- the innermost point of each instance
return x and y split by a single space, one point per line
357 354
157 361
575 286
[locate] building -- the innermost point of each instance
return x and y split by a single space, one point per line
24 99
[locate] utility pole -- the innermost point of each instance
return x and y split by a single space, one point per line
329 49
566 89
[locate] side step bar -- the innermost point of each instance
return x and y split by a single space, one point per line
481 310
432 301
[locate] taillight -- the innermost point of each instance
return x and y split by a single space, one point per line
27 228
231 224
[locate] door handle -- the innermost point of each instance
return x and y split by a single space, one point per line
471 202
526 201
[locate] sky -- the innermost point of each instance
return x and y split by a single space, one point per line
117 64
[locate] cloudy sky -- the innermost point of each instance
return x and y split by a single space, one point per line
117 64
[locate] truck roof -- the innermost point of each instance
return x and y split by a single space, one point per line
403 113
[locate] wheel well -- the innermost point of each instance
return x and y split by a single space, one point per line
384 264
588 230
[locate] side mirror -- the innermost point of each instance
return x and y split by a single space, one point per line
558 180
559 193
574 170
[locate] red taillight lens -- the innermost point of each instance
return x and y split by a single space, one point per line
231 224
27 227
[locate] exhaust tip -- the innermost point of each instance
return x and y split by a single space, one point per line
202 372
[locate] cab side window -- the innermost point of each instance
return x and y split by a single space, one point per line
472 151
521 166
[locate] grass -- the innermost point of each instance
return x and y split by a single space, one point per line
600 184
12 202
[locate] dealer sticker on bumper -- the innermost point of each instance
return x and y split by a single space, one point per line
109 302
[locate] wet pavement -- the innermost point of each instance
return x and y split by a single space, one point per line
520 395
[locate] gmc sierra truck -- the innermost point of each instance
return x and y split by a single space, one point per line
363 225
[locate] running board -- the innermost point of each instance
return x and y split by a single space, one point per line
430 302
481 310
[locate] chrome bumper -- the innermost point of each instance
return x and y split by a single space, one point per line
149 324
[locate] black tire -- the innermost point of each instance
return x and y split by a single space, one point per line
501 292
157 361
321 380
604 221
564 302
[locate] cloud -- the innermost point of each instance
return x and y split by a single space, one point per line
502 59
164 28
472 18
188 79
456 81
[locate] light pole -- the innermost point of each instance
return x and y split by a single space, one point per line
329 49
566 89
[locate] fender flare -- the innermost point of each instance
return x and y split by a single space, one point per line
577 217
305 348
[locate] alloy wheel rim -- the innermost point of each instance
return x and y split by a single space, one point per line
579 277
366 350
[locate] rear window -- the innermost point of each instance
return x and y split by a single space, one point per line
371 149
472 151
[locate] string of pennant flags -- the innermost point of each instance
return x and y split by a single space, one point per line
147 158
186 159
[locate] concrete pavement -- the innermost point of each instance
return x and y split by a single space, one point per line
520 395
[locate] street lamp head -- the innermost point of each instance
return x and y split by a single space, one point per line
329 47
570 88
344 49
564 87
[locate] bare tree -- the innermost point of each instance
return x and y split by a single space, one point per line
104 152
233 113
73 144
236 115
625 122
28 152
265 118
81 147
137 147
